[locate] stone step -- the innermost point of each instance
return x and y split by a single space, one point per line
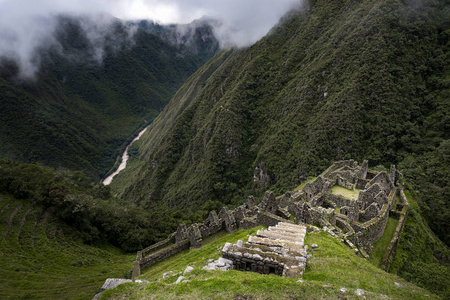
278 243
297 228
291 225
287 230
279 235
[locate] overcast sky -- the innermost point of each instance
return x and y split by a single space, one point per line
25 24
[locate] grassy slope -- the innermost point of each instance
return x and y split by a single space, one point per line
333 266
376 255
130 183
40 258
421 257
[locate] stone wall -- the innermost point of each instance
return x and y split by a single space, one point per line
155 247
161 255
314 188
367 196
382 179
369 232
344 182
195 236
362 171
339 200
245 216
391 250
267 219
361 183
183 238
288 201
308 214
339 164
362 220
351 211
228 220
369 213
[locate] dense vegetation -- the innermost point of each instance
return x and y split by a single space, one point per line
341 79
94 89
90 210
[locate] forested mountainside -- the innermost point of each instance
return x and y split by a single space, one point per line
336 80
95 86
198 36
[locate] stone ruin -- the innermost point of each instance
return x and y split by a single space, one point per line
359 222
278 250
246 216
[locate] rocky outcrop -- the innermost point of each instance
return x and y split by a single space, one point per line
112 283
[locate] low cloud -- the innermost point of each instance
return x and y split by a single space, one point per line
26 27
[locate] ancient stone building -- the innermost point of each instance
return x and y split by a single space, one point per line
359 221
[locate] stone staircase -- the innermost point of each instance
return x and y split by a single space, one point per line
278 250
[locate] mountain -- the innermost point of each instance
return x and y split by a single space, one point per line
366 80
198 36
95 87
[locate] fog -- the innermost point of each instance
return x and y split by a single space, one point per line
26 26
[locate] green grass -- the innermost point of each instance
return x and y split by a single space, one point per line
376 256
332 267
42 259
350 194
310 179
420 254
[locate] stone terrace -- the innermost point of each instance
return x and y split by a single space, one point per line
278 250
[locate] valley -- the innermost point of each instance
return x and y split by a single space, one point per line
135 149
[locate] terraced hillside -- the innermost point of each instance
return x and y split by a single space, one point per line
41 258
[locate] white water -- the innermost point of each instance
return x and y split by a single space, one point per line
125 158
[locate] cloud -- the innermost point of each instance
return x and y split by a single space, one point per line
243 21
26 26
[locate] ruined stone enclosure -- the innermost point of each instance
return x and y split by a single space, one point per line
350 201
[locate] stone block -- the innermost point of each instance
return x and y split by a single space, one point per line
181 233
195 236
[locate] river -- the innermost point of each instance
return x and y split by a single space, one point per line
125 158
